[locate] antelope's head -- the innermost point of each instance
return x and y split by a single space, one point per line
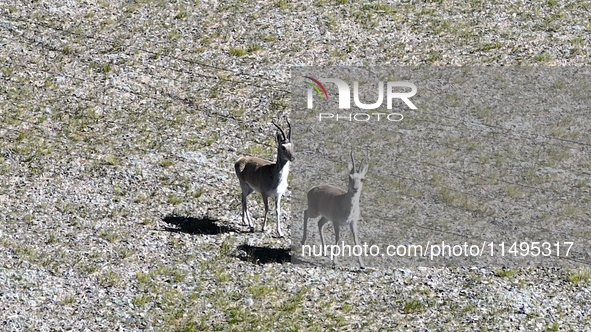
355 175
285 149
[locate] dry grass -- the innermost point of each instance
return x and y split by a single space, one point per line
117 115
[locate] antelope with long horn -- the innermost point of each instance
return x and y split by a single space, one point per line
334 204
265 177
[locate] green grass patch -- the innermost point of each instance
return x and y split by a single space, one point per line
505 273
582 276
413 306
174 199
237 51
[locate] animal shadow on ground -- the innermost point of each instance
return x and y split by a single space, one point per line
193 225
263 255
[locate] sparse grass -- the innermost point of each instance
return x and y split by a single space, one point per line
25 252
178 275
141 300
513 191
239 112
69 300
165 162
282 4
52 239
378 7
106 68
279 104
269 38
212 138
469 308
554 327
28 218
197 193
237 51
125 253
194 326
109 235
142 198
258 150
557 156
111 160
142 278
505 273
413 306
338 53
582 276
569 211
89 268
174 35
118 190
490 46
261 291
68 50
222 276
543 57
174 199
434 56
144 80
110 278
254 48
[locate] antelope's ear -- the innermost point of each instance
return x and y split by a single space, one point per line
279 138
351 170
364 170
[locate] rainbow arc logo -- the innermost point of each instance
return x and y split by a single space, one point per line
317 85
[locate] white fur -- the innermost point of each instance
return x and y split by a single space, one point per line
282 187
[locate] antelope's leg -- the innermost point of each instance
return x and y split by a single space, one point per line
321 224
305 236
266 202
278 209
337 235
246 219
356 239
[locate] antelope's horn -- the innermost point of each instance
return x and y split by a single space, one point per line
281 130
289 133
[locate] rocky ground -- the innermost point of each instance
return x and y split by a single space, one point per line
121 122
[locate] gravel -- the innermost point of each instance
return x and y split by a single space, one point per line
121 121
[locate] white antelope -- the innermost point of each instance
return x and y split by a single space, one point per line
337 205
265 177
